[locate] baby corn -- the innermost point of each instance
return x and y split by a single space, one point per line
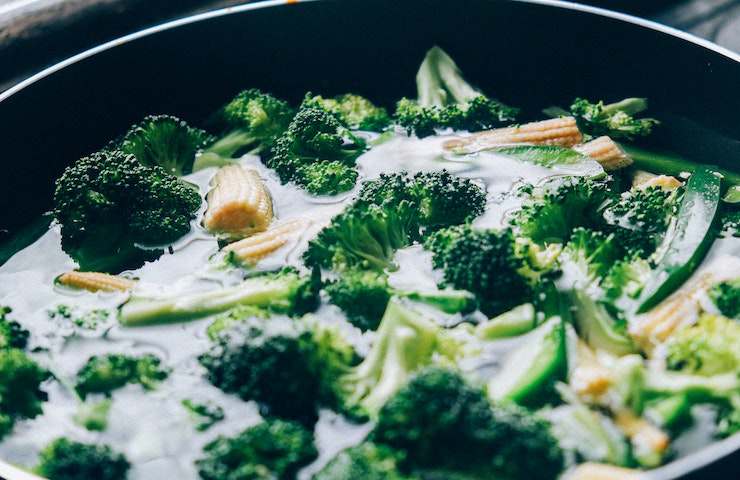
252 249
95 281
558 131
607 152
238 204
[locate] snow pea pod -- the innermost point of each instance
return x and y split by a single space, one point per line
688 241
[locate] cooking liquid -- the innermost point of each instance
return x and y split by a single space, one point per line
152 428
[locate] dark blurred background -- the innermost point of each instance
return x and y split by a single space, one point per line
38 33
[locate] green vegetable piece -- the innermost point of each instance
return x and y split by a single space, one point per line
688 242
597 327
671 412
65 459
529 373
12 334
204 415
366 461
105 373
726 296
282 292
517 321
93 415
732 195
565 160
271 450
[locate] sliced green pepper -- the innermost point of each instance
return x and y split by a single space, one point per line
688 241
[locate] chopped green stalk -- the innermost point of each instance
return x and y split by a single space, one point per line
688 242
448 301
597 327
439 78
517 321
93 416
732 195
530 372
282 292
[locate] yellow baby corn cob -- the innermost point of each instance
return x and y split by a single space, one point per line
655 326
666 182
589 378
238 204
600 471
557 131
252 249
96 281
640 177
643 435
605 151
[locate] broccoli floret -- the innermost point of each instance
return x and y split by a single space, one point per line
364 295
93 416
730 223
445 199
12 335
326 178
277 363
484 262
314 136
273 449
106 373
365 236
726 296
353 110
165 141
588 256
404 343
552 210
204 415
710 347
284 291
616 120
108 204
441 422
367 461
89 320
641 217
66 459
446 100
20 388
624 281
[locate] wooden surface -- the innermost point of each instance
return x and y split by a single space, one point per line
38 33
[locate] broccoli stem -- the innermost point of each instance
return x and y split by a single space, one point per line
257 292
448 301
439 81
517 321
630 106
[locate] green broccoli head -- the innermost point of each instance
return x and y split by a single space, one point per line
106 373
617 120
277 363
12 335
553 209
20 388
263 116
367 461
483 262
446 100
445 199
362 295
108 204
353 110
165 141
405 342
588 256
314 136
365 236
624 281
441 422
66 459
326 178
709 347
640 218
204 415
726 296
273 449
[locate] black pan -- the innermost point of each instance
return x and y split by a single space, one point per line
529 53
